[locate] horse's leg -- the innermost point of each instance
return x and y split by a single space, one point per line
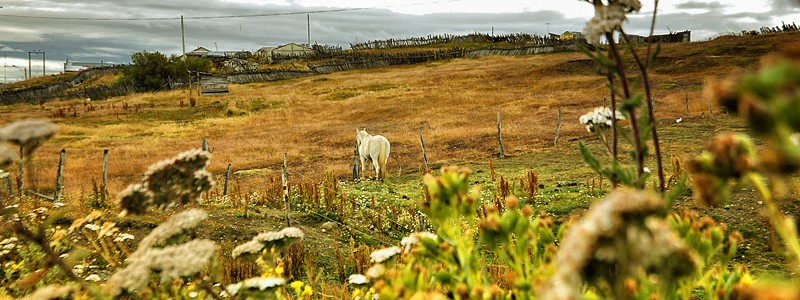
378 171
363 167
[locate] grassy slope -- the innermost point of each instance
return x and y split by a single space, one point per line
453 104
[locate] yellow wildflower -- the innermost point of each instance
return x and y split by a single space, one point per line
297 285
307 292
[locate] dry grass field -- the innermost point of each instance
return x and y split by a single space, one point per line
454 104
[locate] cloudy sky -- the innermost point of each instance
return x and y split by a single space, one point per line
111 30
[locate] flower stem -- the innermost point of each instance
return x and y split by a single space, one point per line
651 116
631 110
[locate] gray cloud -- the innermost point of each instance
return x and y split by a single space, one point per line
126 27
700 5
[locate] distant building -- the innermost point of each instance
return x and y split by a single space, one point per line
672 37
221 55
200 51
290 49
77 66
571 36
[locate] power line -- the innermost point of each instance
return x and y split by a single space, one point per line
227 16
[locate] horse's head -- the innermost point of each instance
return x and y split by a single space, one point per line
361 134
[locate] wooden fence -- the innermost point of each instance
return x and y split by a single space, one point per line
521 38
59 89
212 85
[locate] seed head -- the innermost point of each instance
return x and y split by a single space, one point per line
28 133
177 224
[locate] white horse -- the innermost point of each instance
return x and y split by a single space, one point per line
373 148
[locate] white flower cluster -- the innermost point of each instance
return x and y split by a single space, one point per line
413 239
608 18
123 237
7 245
599 117
261 283
271 238
357 279
381 255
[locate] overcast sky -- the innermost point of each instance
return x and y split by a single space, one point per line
111 30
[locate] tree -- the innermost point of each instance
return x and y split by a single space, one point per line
153 71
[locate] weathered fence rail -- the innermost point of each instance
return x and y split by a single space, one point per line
271 75
34 95
448 38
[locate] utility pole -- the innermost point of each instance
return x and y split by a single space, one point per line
30 74
183 39
308 22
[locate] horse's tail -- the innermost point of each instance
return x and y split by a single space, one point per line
383 157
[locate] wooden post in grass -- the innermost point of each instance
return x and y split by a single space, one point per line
10 191
285 184
104 184
500 137
204 145
227 178
21 178
424 155
558 127
356 163
687 104
59 176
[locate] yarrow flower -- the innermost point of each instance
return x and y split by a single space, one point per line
272 238
413 239
177 224
382 255
608 18
255 283
376 271
93 278
123 237
622 218
357 279
171 182
600 117
28 133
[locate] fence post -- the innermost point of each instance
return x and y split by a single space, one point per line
59 176
558 127
356 163
424 155
500 137
104 184
227 177
21 178
687 104
7 179
285 184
